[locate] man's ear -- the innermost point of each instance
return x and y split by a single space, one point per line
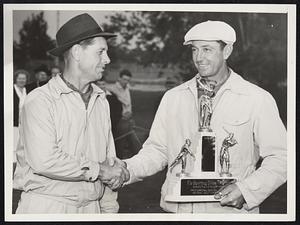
227 51
75 50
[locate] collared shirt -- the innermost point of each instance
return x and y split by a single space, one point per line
62 143
123 95
85 96
238 107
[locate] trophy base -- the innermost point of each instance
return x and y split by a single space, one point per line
225 174
183 174
198 189
205 129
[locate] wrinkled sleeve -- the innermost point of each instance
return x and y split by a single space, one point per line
42 152
108 202
152 158
271 138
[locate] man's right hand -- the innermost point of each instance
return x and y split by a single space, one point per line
114 173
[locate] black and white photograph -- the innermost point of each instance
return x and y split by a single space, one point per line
149 112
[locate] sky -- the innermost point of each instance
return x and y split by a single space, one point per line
51 17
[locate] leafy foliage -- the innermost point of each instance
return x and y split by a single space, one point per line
156 37
34 41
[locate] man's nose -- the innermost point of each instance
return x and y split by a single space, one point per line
200 56
106 59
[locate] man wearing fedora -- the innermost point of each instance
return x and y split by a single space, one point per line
66 137
240 108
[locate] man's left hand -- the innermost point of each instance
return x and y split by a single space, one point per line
231 196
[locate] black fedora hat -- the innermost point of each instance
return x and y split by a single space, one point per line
78 28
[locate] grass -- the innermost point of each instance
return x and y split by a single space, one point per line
144 197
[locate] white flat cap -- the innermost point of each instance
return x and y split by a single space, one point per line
211 31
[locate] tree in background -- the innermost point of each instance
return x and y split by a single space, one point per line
260 53
157 37
34 41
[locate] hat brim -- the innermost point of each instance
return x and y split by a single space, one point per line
61 49
206 39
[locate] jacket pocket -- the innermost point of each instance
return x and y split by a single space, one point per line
236 119
241 154
240 126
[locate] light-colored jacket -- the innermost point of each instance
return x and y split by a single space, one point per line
62 143
241 108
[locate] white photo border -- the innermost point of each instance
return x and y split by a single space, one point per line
289 9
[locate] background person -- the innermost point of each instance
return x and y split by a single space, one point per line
115 106
55 70
239 107
127 142
20 80
65 131
41 77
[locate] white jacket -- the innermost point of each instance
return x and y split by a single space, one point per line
240 107
62 143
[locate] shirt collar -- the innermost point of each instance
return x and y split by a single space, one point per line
59 87
119 86
234 83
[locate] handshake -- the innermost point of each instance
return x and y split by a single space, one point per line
113 173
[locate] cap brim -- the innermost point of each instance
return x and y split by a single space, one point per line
61 49
189 41
186 43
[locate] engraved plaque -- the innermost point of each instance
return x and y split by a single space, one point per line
202 186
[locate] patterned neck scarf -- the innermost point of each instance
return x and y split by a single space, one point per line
216 85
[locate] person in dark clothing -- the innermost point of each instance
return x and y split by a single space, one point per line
115 107
115 111
126 139
41 76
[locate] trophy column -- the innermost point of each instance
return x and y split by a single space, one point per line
204 180
205 138
208 153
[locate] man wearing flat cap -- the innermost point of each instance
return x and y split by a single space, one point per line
65 131
239 108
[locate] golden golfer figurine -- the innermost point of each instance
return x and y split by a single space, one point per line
205 152
205 103
181 158
224 155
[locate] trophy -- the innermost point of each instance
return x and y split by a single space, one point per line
181 158
224 155
205 177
